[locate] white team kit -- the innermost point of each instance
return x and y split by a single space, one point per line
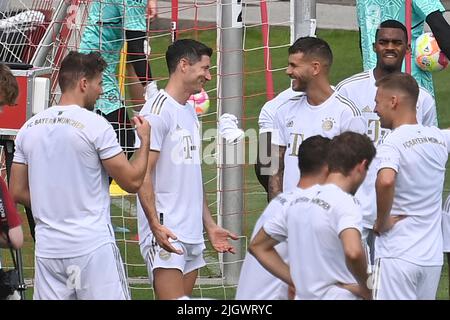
361 89
297 120
255 282
177 183
409 256
311 226
446 225
269 109
63 147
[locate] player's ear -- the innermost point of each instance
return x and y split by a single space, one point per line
374 47
183 64
83 83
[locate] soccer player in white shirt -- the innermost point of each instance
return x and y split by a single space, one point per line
256 283
409 184
63 157
266 126
172 210
446 234
319 110
323 231
391 45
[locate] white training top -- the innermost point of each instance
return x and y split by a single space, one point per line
361 89
312 226
446 225
177 177
255 282
63 147
267 113
297 120
418 155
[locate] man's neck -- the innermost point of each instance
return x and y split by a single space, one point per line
318 93
176 90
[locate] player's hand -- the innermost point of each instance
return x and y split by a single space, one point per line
291 292
379 228
142 128
219 239
151 9
357 290
162 236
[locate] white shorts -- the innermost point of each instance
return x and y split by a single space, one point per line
396 279
446 231
98 275
156 257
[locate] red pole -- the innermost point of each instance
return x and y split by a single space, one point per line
408 24
267 58
174 26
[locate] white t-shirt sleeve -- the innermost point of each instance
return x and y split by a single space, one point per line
429 116
276 226
159 130
106 142
19 155
446 134
348 215
387 156
265 120
279 135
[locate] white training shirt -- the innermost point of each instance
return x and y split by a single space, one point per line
361 89
177 177
312 226
446 225
268 111
418 155
63 147
255 282
297 120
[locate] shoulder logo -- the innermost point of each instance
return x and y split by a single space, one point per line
290 124
327 124
60 113
366 109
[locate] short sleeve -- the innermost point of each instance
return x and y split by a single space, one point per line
266 118
276 226
19 155
428 109
105 142
387 156
348 215
446 134
279 136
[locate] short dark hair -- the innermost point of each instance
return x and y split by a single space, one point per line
394 24
313 47
312 154
189 49
9 89
347 150
402 82
77 65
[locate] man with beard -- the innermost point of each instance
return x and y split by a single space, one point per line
318 110
61 165
390 45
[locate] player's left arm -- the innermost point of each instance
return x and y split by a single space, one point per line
216 234
441 30
429 114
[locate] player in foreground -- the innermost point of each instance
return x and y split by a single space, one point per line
172 209
410 180
256 283
323 231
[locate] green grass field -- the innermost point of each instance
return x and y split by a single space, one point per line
347 61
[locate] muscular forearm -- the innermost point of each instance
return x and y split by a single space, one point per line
146 196
276 184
